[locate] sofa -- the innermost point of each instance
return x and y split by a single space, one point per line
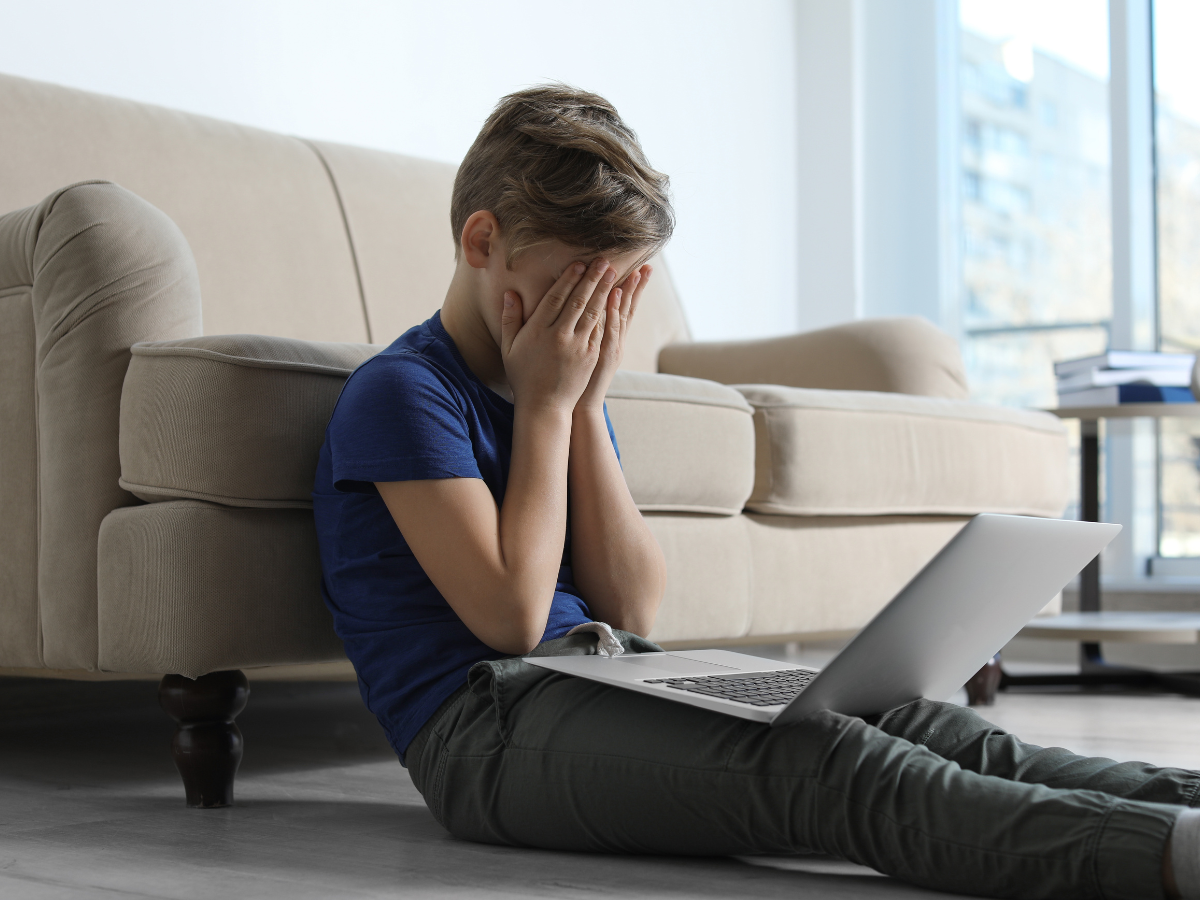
181 300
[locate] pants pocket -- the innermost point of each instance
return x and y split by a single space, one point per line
435 795
505 682
499 684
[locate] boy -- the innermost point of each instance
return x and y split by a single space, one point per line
471 510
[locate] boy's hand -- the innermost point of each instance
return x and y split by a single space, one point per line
622 303
550 359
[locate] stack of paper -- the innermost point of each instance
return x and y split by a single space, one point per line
1125 376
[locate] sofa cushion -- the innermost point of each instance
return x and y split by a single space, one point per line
395 208
236 419
258 209
239 420
831 574
860 453
192 588
710 577
687 445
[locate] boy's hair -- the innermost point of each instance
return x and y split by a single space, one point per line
556 163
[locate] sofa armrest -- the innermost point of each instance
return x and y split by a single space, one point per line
84 275
902 356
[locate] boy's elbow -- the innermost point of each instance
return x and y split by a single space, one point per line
508 644
519 634
637 622
531 633
528 645
522 638
638 612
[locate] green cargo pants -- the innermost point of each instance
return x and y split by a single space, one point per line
929 793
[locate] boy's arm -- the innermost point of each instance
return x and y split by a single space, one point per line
497 567
618 566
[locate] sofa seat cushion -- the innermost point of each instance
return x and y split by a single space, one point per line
687 445
193 587
710 577
861 453
239 420
830 575
235 419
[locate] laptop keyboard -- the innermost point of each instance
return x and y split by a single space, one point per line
753 688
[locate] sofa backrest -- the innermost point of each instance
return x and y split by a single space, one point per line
292 238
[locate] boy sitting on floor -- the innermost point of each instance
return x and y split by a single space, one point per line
471 509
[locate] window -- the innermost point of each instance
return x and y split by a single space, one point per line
1036 241
1177 151
1036 218
1036 222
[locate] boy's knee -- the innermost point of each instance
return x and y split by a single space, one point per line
800 748
913 721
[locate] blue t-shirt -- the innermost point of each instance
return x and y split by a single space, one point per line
413 412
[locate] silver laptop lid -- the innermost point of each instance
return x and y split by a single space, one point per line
968 602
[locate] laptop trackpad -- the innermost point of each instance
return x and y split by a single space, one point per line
668 663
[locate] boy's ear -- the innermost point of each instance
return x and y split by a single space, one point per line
479 239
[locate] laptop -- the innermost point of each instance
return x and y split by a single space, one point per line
956 613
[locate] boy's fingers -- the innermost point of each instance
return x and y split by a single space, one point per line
582 296
596 334
612 317
631 288
556 298
637 294
510 321
644 274
597 303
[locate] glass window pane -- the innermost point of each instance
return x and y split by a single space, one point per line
1036 243
1177 145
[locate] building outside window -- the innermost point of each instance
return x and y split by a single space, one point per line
1037 241
1177 152
1036 238
1036 220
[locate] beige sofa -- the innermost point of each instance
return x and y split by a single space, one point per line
171 348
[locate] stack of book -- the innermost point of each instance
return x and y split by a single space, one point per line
1125 376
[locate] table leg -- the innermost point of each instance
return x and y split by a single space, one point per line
1089 511
1093 670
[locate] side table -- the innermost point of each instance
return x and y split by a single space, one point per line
1091 624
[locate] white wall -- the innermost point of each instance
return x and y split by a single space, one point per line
911 160
708 85
829 98
877 160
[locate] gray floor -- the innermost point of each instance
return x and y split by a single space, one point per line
91 806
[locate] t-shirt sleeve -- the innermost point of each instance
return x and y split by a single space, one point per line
398 419
612 435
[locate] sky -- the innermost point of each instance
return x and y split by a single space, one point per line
1076 32
1177 70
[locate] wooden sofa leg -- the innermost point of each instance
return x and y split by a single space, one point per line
207 745
981 689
